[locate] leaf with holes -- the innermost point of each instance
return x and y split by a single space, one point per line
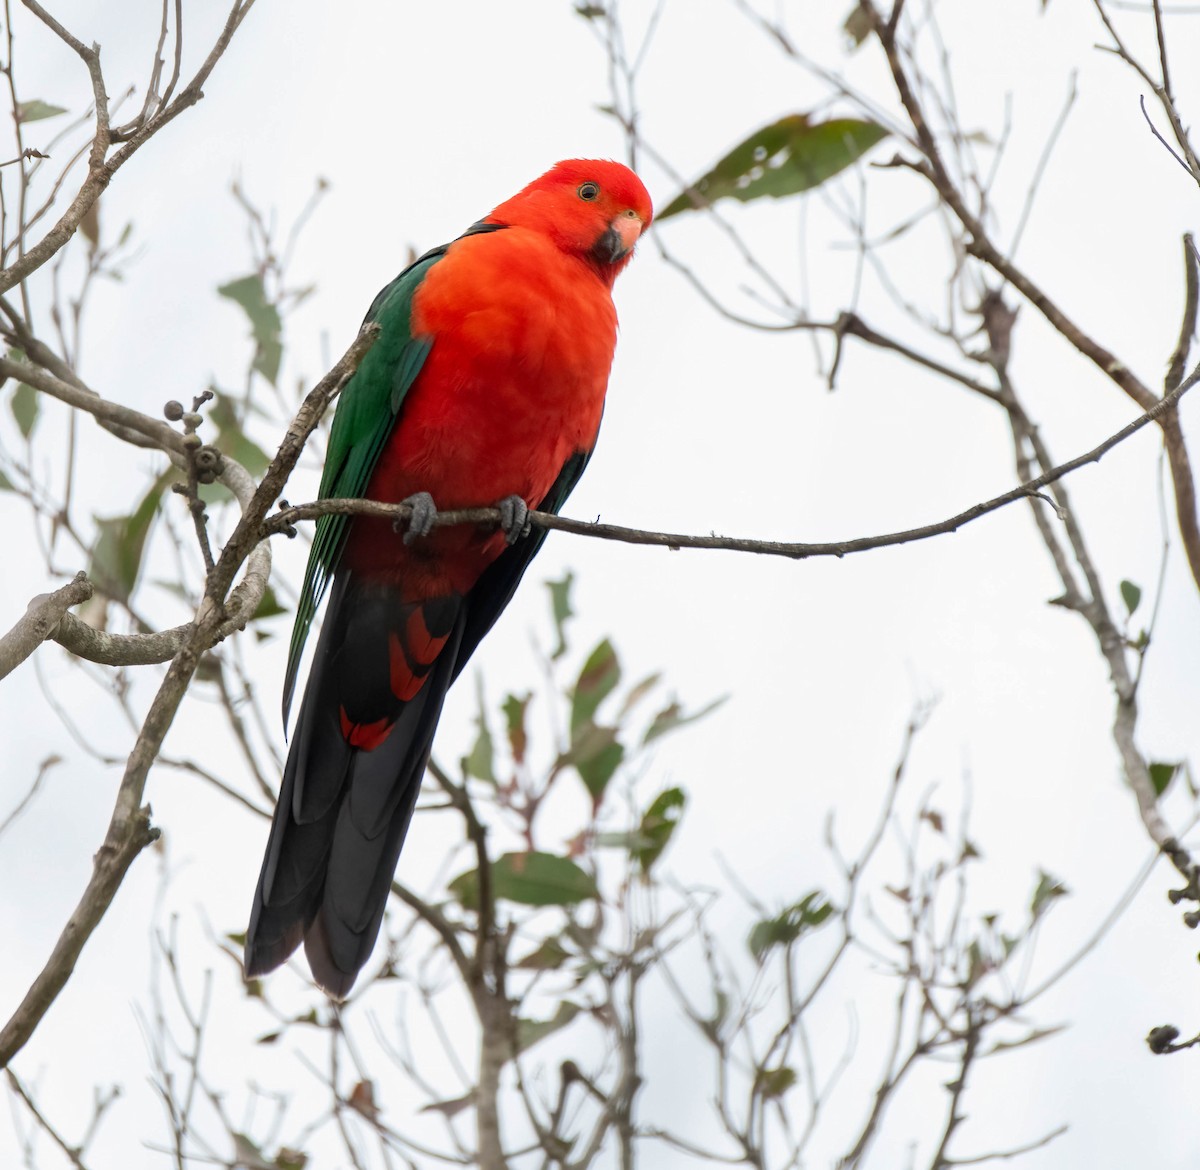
266 326
514 709
785 158
560 610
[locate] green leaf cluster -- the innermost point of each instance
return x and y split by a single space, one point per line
784 928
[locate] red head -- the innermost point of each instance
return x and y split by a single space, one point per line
589 207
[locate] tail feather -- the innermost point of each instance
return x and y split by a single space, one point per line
352 778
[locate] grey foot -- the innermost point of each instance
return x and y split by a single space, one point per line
514 518
420 523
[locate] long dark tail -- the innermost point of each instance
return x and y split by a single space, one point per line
378 680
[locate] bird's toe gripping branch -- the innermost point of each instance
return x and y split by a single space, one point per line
514 518
420 522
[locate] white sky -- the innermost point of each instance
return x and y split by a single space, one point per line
422 117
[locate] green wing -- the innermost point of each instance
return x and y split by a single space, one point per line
366 413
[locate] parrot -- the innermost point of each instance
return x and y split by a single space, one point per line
485 386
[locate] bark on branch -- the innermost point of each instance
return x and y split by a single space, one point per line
129 830
285 518
978 243
40 622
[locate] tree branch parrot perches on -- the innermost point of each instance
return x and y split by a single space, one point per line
486 384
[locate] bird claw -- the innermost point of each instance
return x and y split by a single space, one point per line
514 518
420 520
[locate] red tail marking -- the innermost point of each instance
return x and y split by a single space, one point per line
405 684
423 647
367 736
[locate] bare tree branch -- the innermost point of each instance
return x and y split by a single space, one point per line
40 622
979 244
101 168
129 830
284 519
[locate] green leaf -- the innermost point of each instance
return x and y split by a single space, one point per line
596 755
268 606
600 675
1161 776
772 1083
6 484
784 158
529 1032
560 610
36 110
514 709
786 927
637 693
120 542
549 956
1030 1037
266 326
628 839
231 439
857 26
450 1107
26 406
716 1022
480 762
672 718
530 879
248 1155
658 824
1131 594
1047 890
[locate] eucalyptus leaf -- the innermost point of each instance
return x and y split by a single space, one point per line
26 407
530 879
784 158
560 610
597 680
266 326
36 110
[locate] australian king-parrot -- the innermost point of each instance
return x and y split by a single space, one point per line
486 385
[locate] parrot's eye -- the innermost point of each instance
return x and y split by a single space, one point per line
589 191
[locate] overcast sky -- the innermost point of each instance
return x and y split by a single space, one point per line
423 117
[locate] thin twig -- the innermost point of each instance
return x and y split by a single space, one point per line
284 519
